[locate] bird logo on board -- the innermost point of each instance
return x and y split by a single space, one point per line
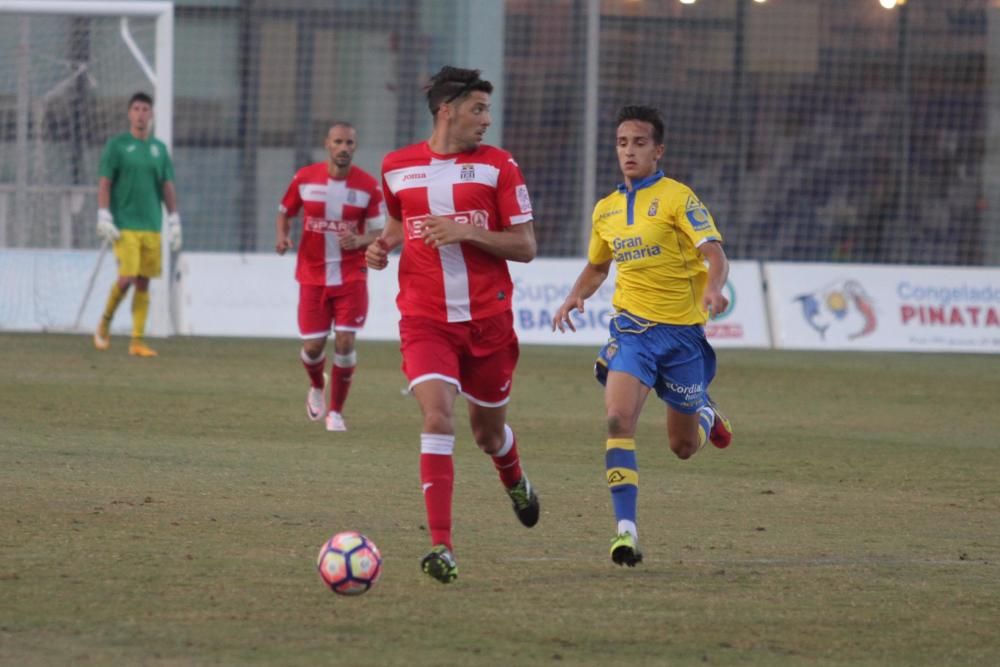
653 207
468 172
842 308
697 214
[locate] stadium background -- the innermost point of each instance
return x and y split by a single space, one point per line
827 130
168 512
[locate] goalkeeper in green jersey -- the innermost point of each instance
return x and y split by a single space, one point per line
136 178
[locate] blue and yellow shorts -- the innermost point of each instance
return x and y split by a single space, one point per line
138 254
676 361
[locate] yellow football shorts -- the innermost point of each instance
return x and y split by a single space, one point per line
138 254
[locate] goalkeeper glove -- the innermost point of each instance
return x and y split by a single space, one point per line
106 226
174 231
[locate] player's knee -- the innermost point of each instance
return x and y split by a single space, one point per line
438 421
489 440
343 343
620 424
684 448
313 347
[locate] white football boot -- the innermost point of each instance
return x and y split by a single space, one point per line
316 401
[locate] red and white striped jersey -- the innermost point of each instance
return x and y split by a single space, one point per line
331 206
484 187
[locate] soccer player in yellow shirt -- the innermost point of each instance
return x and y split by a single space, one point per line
671 270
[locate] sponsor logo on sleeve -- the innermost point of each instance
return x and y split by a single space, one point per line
698 215
523 200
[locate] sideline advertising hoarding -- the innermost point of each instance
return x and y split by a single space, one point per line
867 307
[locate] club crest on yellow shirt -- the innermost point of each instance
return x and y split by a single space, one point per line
653 207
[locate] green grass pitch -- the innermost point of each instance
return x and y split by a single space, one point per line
168 512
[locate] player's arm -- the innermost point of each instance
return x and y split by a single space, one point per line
373 229
588 282
718 272
377 254
287 210
352 241
104 192
170 197
283 233
516 243
374 222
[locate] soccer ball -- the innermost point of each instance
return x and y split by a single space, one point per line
349 563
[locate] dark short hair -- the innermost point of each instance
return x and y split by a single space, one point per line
454 83
649 115
340 123
140 97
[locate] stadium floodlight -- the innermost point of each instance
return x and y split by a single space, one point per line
71 65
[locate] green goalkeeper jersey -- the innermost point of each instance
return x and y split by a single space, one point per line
137 170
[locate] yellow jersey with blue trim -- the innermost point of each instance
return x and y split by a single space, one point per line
653 232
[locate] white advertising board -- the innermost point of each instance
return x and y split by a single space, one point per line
541 286
744 323
42 290
867 307
256 295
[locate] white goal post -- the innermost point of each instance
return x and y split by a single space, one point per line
160 77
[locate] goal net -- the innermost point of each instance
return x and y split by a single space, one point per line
67 71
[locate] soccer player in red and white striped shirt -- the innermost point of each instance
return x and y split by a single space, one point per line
460 210
341 214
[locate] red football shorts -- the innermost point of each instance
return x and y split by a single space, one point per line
478 357
345 307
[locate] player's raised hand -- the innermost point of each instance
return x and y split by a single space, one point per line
377 254
439 230
562 318
715 302
283 243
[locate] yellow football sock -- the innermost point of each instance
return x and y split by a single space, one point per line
140 310
114 298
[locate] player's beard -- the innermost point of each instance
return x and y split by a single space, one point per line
474 141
